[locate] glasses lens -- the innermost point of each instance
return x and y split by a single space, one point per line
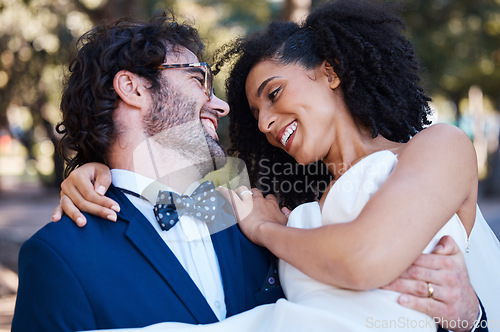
209 82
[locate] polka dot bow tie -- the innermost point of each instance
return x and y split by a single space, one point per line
201 205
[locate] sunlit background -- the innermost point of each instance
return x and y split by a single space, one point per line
458 42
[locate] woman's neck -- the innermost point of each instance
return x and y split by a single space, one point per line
352 145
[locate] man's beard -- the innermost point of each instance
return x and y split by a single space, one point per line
174 122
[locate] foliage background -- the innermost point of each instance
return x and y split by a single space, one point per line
458 42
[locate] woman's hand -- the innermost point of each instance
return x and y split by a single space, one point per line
83 190
252 210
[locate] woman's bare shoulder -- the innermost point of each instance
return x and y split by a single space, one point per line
441 140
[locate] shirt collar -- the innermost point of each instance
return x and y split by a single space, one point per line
143 185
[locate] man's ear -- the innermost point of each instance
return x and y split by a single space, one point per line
333 78
130 88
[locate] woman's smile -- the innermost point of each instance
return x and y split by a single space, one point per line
286 134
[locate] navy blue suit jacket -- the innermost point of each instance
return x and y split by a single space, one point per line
113 275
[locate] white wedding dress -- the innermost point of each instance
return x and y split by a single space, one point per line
314 306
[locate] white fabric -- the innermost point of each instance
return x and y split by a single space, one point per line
313 306
189 240
483 264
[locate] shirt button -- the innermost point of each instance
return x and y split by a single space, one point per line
217 304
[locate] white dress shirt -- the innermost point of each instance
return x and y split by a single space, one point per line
189 240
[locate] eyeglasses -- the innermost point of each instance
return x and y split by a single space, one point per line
208 77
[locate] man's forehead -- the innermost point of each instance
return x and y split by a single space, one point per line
180 54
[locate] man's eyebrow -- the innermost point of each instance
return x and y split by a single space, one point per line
196 70
263 85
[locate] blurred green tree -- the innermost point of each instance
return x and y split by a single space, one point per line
37 35
458 42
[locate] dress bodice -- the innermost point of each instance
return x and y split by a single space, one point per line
344 202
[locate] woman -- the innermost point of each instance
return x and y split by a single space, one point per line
343 89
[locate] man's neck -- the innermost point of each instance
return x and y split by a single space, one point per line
165 165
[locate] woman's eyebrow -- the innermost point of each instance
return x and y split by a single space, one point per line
263 85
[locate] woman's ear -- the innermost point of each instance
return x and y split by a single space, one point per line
333 78
130 88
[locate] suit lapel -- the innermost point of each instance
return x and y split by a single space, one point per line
228 249
146 240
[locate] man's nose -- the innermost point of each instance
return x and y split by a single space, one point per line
219 105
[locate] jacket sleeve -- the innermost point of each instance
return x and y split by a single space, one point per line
50 297
482 323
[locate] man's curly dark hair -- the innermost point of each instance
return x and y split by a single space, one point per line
376 64
88 99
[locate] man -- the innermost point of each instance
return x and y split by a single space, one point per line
129 83
138 92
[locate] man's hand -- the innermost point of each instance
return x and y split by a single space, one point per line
453 303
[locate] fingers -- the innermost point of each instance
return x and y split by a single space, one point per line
415 294
241 193
102 178
57 214
75 200
286 211
82 195
271 197
241 200
92 181
434 269
426 305
257 193
72 211
449 295
416 288
446 246
445 275
244 193
430 262
442 313
92 203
